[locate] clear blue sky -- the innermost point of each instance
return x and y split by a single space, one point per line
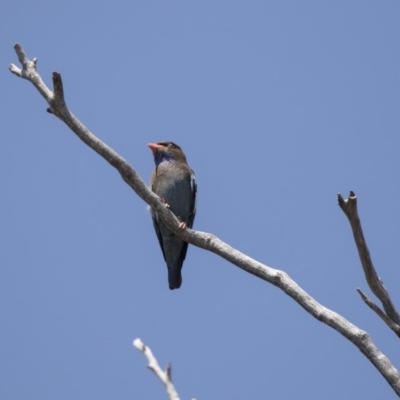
278 105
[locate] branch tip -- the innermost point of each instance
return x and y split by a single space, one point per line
385 318
340 200
168 371
15 70
58 87
22 57
362 294
138 344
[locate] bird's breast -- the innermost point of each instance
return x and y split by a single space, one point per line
173 185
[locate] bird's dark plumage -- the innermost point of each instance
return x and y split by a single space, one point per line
174 182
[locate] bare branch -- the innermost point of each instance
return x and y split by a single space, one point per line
349 207
29 72
394 327
164 376
210 242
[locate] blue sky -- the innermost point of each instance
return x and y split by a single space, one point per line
278 105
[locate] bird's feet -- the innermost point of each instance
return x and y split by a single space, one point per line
165 203
182 225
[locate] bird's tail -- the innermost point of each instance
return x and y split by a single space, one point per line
174 277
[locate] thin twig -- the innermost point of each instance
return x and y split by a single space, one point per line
164 376
394 327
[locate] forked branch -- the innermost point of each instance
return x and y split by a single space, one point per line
390 314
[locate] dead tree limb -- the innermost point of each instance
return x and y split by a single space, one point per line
390 315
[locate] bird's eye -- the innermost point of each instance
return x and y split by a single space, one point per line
173 146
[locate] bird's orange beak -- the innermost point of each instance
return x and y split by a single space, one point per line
154 146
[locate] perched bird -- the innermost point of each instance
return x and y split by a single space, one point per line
174 182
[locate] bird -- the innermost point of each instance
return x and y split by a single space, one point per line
174 182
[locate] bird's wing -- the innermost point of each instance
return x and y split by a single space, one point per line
193 199
192 214
154 216
157 228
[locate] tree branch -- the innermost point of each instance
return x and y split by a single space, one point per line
164 376
349 207
394 327
204 240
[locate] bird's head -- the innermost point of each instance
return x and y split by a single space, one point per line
166 151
